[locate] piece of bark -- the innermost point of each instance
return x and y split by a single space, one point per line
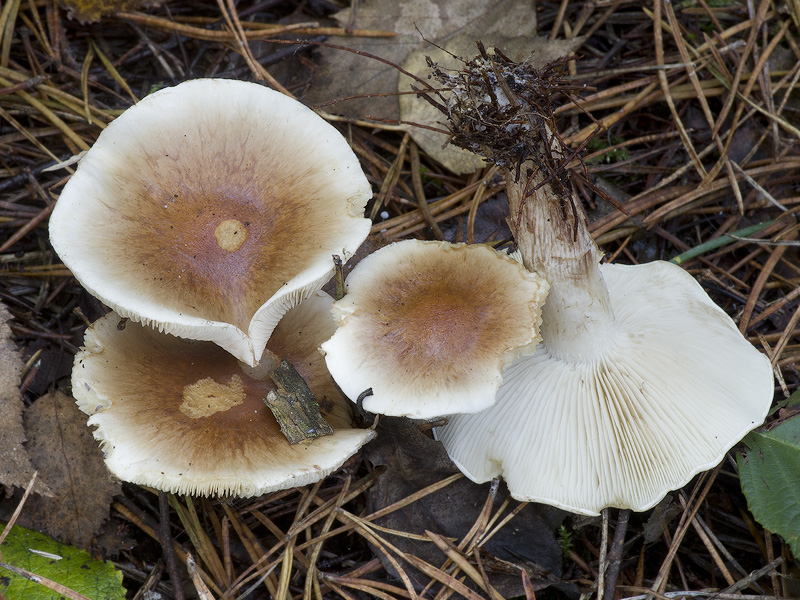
294 406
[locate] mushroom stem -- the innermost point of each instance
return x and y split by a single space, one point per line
554 242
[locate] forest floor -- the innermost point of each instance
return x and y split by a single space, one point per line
689 116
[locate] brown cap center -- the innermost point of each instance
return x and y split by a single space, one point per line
230 234
439 324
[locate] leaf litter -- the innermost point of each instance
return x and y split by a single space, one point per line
413 461
681 93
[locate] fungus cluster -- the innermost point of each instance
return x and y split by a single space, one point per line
585 385
192 215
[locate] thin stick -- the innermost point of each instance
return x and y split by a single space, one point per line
18 509
44 581
419 192
615 554
603 561
165 538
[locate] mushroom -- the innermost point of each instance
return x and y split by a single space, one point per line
641 381
618 410
209 209
185 416
429 326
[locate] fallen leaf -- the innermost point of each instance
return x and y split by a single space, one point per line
62 448
770 478
453 26
16 469
54 365
415 461
490 223
61 564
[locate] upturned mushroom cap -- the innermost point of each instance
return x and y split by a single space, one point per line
664 395
429 327
184 417
209 209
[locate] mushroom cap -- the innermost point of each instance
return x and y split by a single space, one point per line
429 327
209 209
183 417
675 386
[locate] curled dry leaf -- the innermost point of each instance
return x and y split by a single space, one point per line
64 452
507 24
15 465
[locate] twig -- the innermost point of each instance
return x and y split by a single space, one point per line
165 537
615 554
602 563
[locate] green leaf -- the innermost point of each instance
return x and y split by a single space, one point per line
770 476
75 569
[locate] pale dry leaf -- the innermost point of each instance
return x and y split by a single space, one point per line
343 74
62 448
16 469
448 28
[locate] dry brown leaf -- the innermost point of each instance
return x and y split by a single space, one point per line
88 11
62 448
15 466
